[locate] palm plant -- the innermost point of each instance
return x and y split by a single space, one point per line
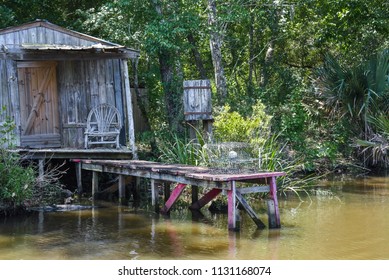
359 94
354 92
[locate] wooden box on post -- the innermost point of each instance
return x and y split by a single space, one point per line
198 105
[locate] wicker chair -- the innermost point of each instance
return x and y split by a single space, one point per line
103 126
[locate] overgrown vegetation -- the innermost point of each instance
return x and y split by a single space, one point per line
20 186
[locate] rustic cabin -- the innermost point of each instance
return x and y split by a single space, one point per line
52 78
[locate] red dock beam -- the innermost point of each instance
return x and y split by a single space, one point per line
173 198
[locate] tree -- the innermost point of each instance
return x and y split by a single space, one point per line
216 41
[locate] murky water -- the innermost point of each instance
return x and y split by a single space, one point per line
352 224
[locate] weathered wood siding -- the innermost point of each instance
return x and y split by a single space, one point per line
83 85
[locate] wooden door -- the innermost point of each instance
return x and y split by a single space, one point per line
38 104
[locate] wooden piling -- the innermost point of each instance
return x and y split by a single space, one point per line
79 177
95 183
272 205
122 189
195 194
41 167
231 198
154 195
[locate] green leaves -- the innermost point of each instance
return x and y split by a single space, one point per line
355 91
231 126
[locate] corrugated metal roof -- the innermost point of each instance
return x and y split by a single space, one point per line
97 47
96 44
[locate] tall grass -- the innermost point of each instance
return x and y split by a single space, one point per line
268 155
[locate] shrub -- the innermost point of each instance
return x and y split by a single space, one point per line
19 185
230 126
16 182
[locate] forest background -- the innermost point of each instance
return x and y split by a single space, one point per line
310 75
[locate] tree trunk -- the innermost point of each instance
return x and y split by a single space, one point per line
250 86
269 56
139 98
216 41
173 95
197 57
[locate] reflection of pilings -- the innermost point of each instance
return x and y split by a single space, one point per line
41 221
94 217
178 247
120 219
232 244
153 222
274 242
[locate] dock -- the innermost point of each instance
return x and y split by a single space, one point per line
235 183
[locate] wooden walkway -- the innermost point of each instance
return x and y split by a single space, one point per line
213 179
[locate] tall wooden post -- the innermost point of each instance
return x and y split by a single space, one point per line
272 206
129 117
122 189
79 177
41 167
195 194
232 211
154 195
95 183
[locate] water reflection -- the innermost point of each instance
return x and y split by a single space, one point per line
351 223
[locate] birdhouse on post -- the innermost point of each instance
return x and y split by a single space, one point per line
198 106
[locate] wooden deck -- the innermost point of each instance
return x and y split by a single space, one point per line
215 180
68 153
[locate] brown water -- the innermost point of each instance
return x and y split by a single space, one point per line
351 224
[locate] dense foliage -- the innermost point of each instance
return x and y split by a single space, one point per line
20 185
309 63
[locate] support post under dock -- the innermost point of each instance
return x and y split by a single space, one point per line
232 210
122 189
95 183
79 177
273 211
155 195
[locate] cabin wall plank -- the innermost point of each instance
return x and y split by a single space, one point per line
4 100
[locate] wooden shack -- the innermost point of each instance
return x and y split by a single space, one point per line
51 77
